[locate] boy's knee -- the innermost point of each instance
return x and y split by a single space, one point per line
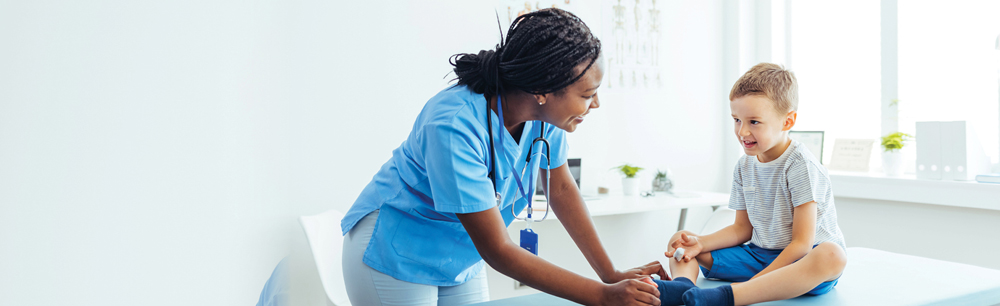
678 234
831 258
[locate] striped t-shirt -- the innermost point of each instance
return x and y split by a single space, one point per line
770 191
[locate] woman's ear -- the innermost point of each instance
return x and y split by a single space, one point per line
540 99
790 120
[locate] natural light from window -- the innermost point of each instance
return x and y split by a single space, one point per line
836 61
948 66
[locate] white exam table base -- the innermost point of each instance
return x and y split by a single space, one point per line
873 277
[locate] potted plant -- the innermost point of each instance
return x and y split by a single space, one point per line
630 184
892 157
661 182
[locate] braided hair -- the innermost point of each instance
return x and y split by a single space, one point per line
539 55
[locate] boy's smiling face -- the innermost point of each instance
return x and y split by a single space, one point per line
760 128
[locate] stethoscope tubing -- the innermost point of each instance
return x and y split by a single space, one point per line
527 162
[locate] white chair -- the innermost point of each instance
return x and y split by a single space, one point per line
326 243
721 218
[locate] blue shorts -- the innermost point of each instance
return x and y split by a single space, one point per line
740 263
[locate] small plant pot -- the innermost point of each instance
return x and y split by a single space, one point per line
662 184
630 186
892 163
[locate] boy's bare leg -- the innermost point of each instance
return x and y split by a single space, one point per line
824 263
687 269
684 269
684 274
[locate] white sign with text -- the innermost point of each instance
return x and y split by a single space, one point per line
851 155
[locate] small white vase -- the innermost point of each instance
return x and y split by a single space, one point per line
892 163
630 186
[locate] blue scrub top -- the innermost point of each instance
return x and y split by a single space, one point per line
441 169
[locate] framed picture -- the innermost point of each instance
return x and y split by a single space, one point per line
813 140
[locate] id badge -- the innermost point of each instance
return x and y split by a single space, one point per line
529 241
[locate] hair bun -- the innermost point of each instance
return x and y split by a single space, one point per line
478 71
539 55
488 67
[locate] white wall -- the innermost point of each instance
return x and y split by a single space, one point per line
156 153
142 152
676 127
964 235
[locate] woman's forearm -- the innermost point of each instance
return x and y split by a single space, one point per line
575 218
488 233
513 261
568 205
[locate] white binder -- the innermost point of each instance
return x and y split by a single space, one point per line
929 155
961 154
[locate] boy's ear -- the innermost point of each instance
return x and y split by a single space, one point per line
790 120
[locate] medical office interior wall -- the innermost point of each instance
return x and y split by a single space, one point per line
180 140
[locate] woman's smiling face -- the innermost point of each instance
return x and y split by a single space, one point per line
567 108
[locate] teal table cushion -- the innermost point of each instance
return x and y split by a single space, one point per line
872 277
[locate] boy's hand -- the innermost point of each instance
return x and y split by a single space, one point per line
643 271
692 247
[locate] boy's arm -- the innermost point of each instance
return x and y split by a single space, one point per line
732 235
803 237
739 232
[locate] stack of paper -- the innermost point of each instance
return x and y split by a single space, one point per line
988 178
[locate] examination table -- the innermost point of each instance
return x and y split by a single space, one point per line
872 277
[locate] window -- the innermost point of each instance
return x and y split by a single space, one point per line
837 63
948 66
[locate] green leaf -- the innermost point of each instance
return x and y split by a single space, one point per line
628 170
895 141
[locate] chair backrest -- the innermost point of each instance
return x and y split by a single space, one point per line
721 218
326 242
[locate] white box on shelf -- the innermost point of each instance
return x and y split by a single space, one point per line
962 156
929 153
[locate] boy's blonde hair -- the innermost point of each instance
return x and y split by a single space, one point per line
772 81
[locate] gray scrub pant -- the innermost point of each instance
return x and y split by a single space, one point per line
367 286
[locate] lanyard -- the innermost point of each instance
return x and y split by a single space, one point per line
527 162
529 240
517 177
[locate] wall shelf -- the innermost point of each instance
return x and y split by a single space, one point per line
875 186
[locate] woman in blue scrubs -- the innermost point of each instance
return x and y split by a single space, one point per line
423 229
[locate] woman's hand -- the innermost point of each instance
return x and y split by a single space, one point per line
642 271
630 292
692 247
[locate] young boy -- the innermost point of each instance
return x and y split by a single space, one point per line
784 208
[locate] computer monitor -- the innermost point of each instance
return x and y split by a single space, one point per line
574 169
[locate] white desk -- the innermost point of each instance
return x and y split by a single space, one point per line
619 204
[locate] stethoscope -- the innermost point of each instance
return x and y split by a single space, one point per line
527 162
